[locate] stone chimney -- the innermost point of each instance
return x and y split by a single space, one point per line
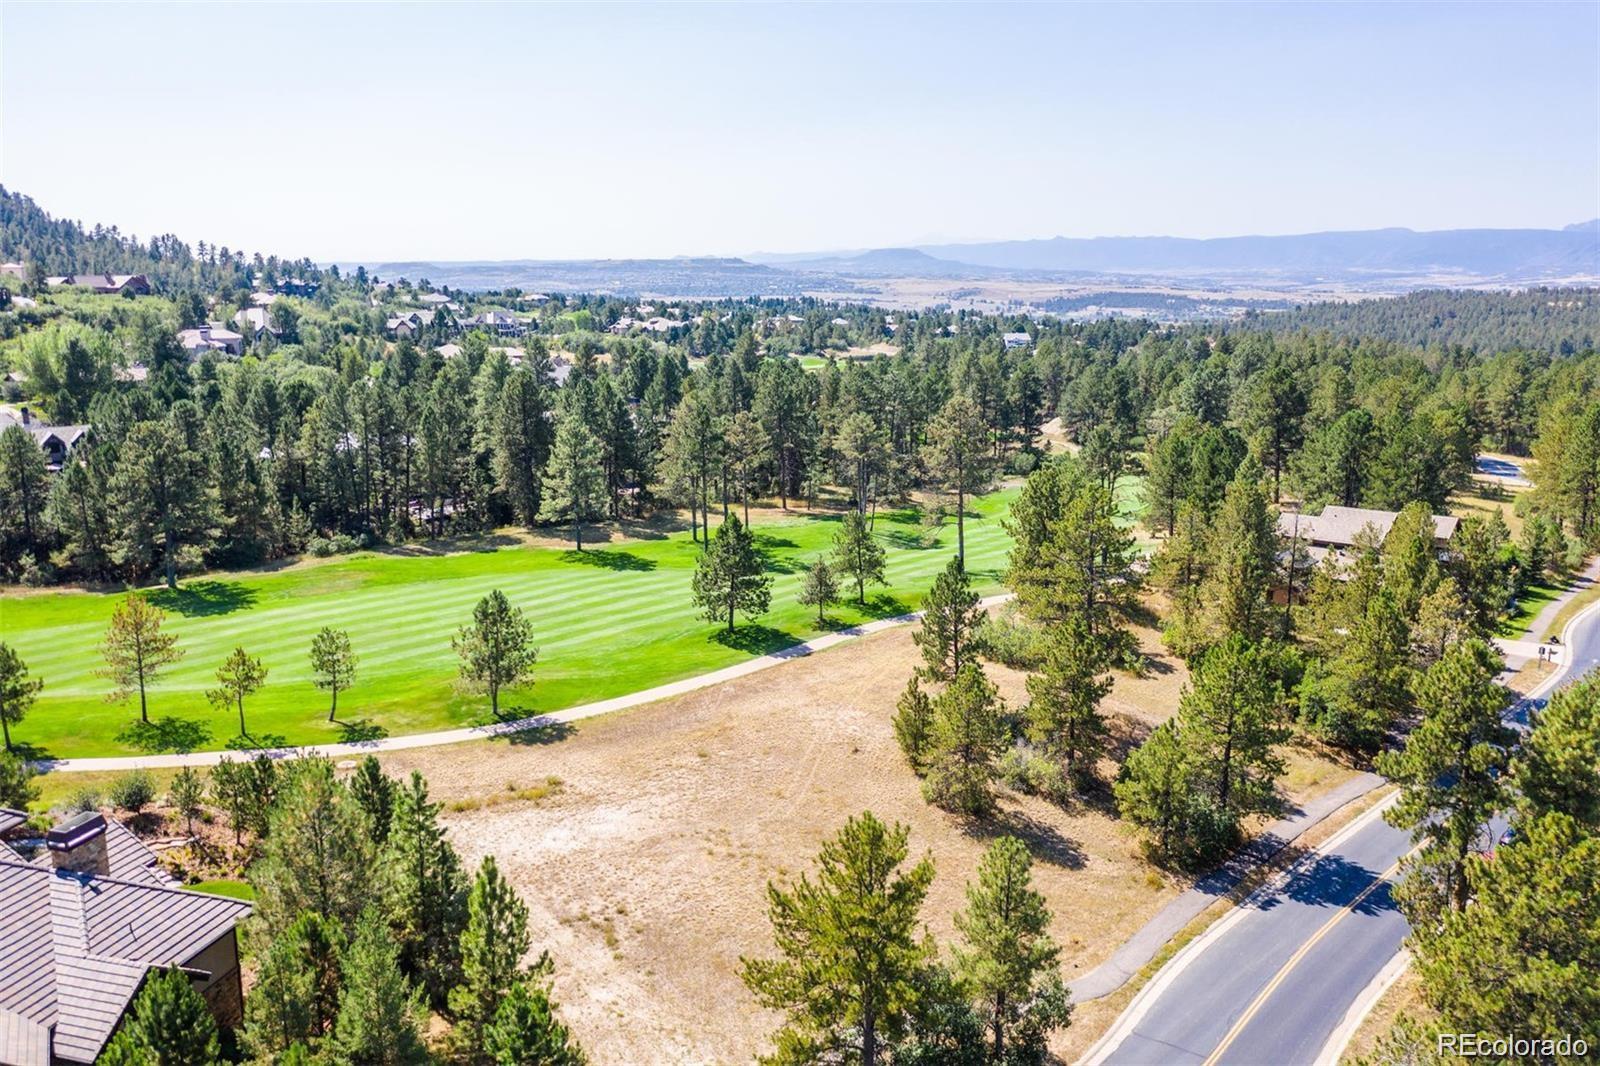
27 416
79 845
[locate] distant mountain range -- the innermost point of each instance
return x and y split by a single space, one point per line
1383 260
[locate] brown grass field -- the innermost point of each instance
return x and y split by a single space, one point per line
642 842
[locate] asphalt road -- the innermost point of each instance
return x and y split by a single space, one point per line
1269 982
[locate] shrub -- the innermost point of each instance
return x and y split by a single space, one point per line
1025 770
84 799
1006 637
16 782
133 791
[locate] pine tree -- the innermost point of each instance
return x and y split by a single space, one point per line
730 575
1180 569
317 855
968 736
1008 960
1557 767
1522 958
1070 556
169 1024
957 455
850 961
1366 686
79 512
819 588
24 488
295 997
497 649
17 690
162 496
333 664
1230 723
1153 789
1242 551
746 441
136 651
424 892
1063 712
375 793
1166 487
1449 770
187 794
526 1032
857 555
574 482
380 1015
492 946
240 675
913 724
1444 618
950 619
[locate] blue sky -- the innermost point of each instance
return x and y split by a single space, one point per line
372 131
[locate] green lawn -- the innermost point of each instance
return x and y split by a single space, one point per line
232 889
1533 600
610 621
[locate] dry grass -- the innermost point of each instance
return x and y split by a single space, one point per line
1487 497
645 872
1402 997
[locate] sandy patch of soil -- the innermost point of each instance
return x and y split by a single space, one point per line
644 871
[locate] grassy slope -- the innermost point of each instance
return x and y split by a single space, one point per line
608 622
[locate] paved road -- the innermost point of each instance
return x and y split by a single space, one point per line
1270 981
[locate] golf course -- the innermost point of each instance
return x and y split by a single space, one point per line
611 620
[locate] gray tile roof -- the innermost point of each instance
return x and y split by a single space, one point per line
10 819
77 946
1338 526
23 1043
127 857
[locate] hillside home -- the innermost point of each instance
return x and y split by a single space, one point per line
84 920
254 322
57 442
1016 340
1317 539
211 337
410 323
106 284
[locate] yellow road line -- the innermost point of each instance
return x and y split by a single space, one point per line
1294 960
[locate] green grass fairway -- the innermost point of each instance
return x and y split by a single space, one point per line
610 621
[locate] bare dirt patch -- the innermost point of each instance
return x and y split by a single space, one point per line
644 872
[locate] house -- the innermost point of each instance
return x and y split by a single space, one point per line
107 284
211 337
410 323
84 922
56 441
13 270
255 321
500 323
1016 340
1316 539
621 325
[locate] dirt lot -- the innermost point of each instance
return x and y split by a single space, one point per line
644 862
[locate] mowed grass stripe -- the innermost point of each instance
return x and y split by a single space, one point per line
602 631
546 598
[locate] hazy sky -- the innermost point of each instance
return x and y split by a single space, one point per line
372 131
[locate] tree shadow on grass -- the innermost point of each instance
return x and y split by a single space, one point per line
1047 843
167 733
906 540
755 639
361 731
883 605
258 742
32 753
608 559
198 599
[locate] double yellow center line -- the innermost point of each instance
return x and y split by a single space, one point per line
1294 960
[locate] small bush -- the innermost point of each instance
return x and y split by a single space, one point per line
133 791
16 782
1006 637
1025 770
1022 463
84 799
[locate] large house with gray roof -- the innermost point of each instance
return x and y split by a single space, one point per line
57 442
84 919
1327 539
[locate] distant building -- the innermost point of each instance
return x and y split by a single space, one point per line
13 270
84 923
500 323
211 337
111 284
1016 340
410 323
254 322
57 442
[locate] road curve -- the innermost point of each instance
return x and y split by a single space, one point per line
1270 981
